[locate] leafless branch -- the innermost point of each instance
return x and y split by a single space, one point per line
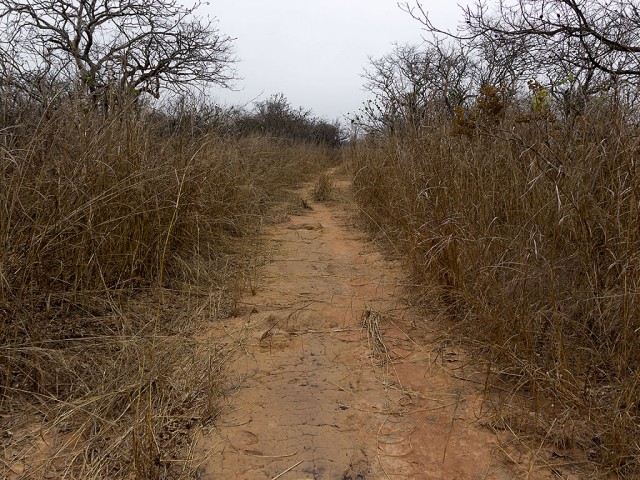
116 47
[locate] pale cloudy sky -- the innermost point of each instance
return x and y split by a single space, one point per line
314 51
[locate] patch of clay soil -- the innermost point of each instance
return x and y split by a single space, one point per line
332 381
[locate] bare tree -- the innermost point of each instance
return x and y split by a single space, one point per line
414 83
579 48
277 118
115 47
602 33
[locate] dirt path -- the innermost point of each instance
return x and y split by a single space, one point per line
328 384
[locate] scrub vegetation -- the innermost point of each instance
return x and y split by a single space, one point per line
127 225
502 162
121 236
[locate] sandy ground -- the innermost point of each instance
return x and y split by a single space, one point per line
334 380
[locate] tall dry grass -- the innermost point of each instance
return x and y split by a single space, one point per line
324 187
120 237
526 230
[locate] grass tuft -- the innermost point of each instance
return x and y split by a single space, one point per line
324 188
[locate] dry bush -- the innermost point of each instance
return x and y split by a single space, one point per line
118 241
528 234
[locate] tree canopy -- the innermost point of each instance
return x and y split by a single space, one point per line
109 47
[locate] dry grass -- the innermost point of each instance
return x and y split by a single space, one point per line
119 240
526 231
324 188
377 348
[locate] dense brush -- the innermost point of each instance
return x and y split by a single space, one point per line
526 231
119 236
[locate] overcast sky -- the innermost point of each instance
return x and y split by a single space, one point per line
314 51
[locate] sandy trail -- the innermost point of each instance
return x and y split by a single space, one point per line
314 394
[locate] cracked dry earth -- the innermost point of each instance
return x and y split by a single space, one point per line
332 381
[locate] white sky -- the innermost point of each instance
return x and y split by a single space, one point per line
314 51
